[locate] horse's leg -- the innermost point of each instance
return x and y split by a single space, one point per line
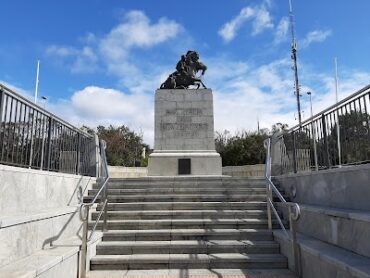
204 86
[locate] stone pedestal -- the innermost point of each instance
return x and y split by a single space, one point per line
184 134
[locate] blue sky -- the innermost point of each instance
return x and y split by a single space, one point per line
101 60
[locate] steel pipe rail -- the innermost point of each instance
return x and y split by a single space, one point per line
293 209
32 137
85 208
335 137
21 98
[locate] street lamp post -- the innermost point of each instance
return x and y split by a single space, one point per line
45 98
313 132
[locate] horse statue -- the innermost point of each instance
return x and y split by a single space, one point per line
186 73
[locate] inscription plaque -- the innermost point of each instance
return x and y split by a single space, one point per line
184 166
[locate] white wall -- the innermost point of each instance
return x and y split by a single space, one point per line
37 208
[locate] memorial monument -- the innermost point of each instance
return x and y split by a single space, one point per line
184 124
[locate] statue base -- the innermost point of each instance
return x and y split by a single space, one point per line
185 163
184 134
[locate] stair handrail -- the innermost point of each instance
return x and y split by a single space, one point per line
294 210
85 207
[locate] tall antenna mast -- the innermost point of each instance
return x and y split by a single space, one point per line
294 58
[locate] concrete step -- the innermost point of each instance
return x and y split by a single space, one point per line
115 185
187 190
193 273
181 214
181 198
128 206
187 247
246 223
328 260
189 180
188 234
337 226
188 261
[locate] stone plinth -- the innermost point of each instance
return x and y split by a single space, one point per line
184 129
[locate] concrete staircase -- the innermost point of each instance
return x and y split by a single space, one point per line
187 223
332 233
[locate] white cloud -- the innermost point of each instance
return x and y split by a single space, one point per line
61 51
262 21
315 36
83 60
250 92
86 61
281 30
113 49
349 83
137 31
93 106
244 92
260 16
109 103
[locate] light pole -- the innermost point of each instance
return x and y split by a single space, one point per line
313 132
45 98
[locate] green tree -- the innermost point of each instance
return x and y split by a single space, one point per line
242 149
124 147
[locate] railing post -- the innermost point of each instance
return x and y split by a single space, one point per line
2 122
49 144
97 156
267 145
2 102
269 197
326 143
105 208
294 154
85 230
103 147
32 137
294 245
78 154
43 123
313 132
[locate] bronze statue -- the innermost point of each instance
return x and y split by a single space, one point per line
185 74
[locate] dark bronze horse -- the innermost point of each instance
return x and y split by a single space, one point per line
185 74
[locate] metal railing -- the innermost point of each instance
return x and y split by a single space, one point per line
293 209
32 137
85 208
337 136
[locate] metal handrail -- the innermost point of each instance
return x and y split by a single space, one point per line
84 210
335 137
293 209
35 138
41 109
357 94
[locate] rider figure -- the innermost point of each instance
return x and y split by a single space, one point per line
181 66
